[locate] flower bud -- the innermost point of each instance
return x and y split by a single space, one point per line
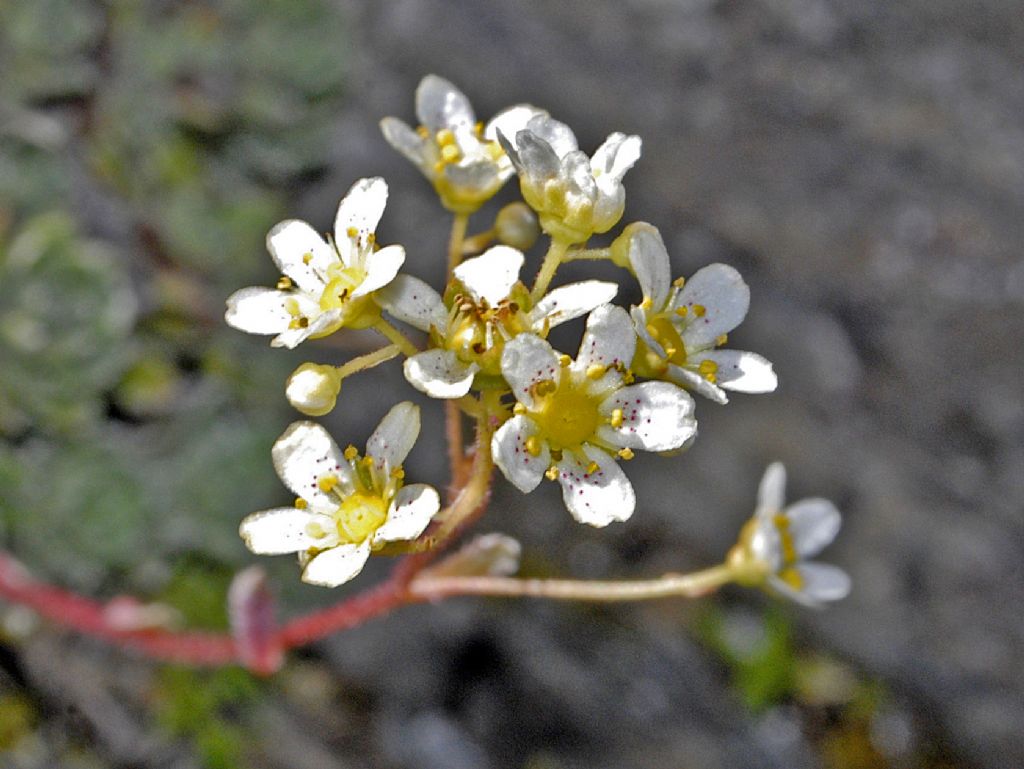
313 388
516 225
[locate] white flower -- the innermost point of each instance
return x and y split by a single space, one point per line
469 337
775 542
325 285
313 388
347 505
574 417
681 325
574 196
460 157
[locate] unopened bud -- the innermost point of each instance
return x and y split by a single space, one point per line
313 388
516 226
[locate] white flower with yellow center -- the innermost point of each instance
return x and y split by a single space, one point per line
488 306
460 157
347 505
574 196
574 418
325 284
681 324
775 542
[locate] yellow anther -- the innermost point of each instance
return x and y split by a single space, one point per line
628 377
721 339
284 283
653 331
564 360
616 420
792 577
519 408
352 232
707 367
647 303
533 446
699 310
679 282
478 129
551 473
596 371
670 351
307 257
366 461
450 153
371 238
300 322
445 137
351 452
423 131
789 554
327 483
494 150
439 166
626 453
315 530
592 468
398 473
301 504
682 311
544 387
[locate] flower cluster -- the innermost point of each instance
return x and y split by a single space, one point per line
483 346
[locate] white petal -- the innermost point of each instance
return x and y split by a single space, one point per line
608 340
491 275
399 135
319 323
527 360
744 372
439 104
576 170
381 268
410 513
482 177
596 498
557 135
284 530
720 290
692 380
301 253
360 209
649 260
394 437
507 143
814 523
820 583
259 310
520 467
336 566
305 454
639 316
771 492
656 416
568 302
414 302
616 156
510 121
536 158
440 374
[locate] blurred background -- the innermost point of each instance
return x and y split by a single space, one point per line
861 163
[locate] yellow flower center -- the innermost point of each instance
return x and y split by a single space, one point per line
567 415
360 515
477 332
343 281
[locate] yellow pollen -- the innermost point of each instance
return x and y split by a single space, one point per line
301 504
327 483
544 387
352 232
398 473
682 311
551 473
616 420
596 371
519 408
445 137
315 530
351 452
450 153
626 453
699 310
564 360
307 257
533 446
647 303
679 282
284 283
721 339
423 131
478 129
670 351
628 377
592 468
707 367
371 238
366 461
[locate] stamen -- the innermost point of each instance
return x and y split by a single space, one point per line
327 483
682 311
653 331
616 420
699 310
679 282
721 339
307 257
596 371
398 473
533 446
592 468
352 232
315 530
564 360
551 473
284 283
423 131
351 452
519 408
626 453
445 137
450 153
301 504
647 303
